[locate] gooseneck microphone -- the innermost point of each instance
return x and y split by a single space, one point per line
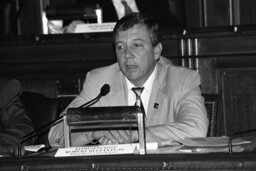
103 92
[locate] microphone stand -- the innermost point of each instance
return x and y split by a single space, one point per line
34 133
103 92
56 121
91 102
20 150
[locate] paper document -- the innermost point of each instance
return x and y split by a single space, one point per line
34 148
212 142
185 149
203 145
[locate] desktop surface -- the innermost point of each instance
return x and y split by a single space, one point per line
210 161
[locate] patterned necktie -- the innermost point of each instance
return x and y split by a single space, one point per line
127 9
138 91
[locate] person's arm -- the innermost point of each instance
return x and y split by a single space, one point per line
190 118
15 122
56 133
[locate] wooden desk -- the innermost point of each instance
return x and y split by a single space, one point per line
217 161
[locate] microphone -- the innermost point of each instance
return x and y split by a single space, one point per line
103 92
105 89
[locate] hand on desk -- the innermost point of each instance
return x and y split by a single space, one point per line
81 139
115 136
104 137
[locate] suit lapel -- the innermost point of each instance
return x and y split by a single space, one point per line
157 95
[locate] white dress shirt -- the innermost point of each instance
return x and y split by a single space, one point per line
145 95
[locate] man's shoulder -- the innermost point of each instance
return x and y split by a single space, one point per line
175 69
176 75
102 75
96 78
179 79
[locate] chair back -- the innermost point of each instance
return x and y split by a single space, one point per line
41 110
211 104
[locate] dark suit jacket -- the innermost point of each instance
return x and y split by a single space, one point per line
14 121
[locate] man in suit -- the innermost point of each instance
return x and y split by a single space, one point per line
14 121
171 96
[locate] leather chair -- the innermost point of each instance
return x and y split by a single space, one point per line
211 104
41 110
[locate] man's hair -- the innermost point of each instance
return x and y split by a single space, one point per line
143 19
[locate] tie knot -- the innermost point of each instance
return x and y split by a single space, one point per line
137 91
138 102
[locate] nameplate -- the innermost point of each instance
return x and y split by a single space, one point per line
96 150
103 150
92 28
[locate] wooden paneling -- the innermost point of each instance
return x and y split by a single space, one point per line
194 13
207 71
207 13
247 12
216 12
29 17
239 94
227 45
211 13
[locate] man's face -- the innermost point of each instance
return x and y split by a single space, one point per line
135 53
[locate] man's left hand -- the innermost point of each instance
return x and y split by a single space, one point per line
115 136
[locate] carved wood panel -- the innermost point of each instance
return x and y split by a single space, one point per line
238 89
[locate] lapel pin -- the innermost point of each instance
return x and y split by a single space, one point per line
156 105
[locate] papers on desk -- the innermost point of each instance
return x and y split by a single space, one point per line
34 148
205 145
212 142
102 150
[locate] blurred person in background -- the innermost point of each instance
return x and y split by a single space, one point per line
112 10
14 121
